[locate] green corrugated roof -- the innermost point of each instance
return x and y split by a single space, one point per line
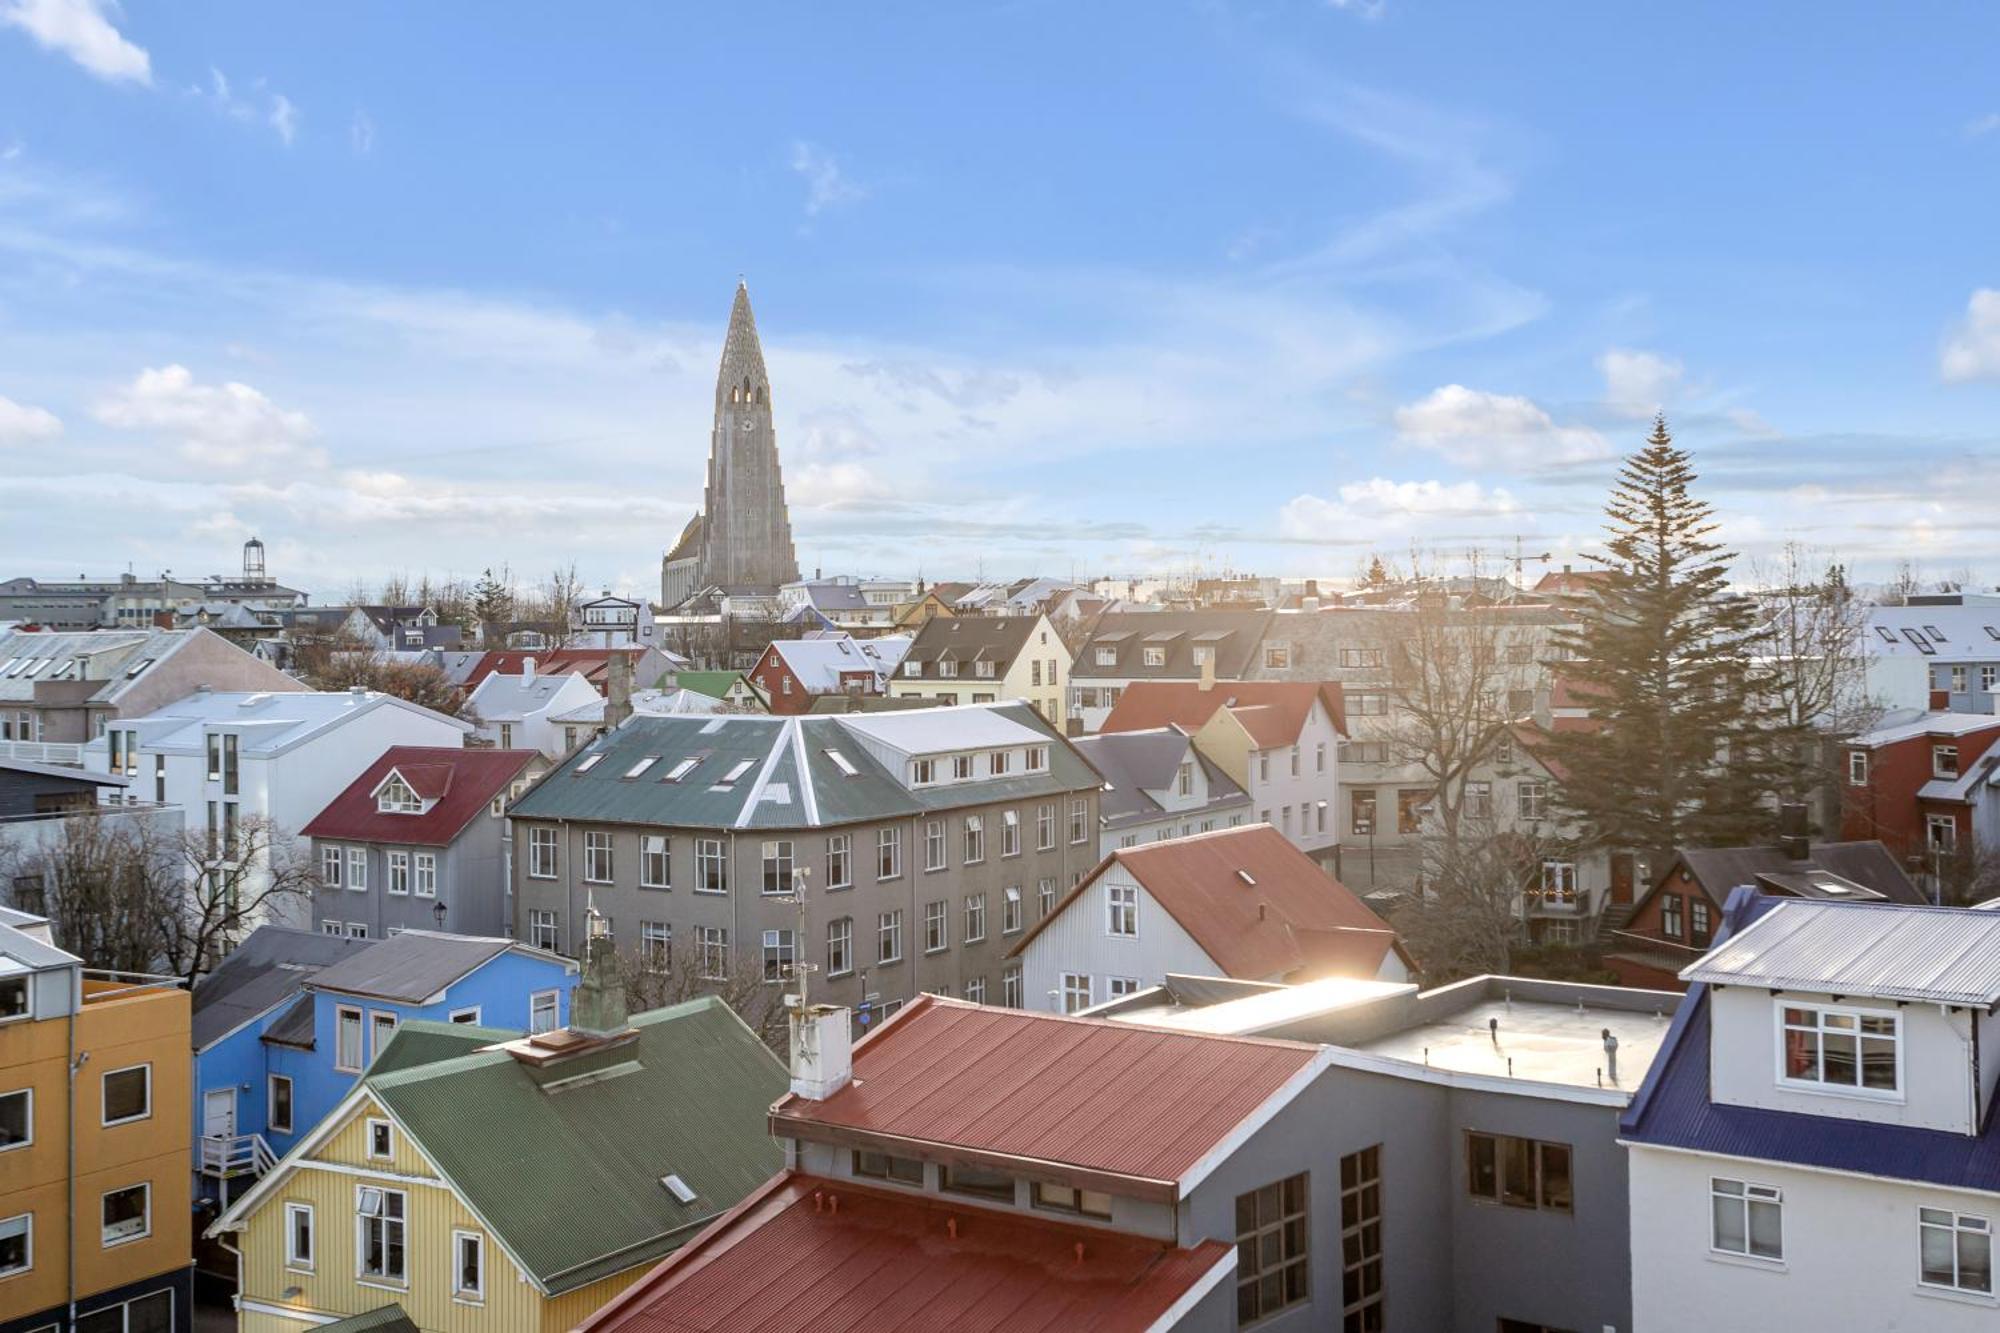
714 684
389 1319
425 1041
772 746
564 1162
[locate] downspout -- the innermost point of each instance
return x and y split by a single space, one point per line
69 1147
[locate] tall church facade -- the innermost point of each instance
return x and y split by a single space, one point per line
741 541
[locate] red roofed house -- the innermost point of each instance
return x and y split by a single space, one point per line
983 1168
419 841
1238 902
1278 740
593 664
1928 788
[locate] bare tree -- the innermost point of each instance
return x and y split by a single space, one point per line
230 879
659 974
1815 624
1905 582
565 594
107 883
1473 910
340 664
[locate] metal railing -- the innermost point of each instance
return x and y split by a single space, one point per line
226 1156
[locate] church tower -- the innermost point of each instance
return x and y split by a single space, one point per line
746 533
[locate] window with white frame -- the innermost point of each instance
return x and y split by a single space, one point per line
1955 1251
399 873
1035 758
1941 833
542 930
597 857
780 955
923 772
1075 991
17 1245
656 944
655 861
1106 656
1121 909
544 1011
961 767
1367 704
1079 819
1045 897
975 990
348 1056
999 762
1045 826
937 933
396 797
299 1247
126 1214
541 853
1532 798
975 839
840 946
17 1118
1117 986
934 852
888 853
889 937
1853 1050
381 1027
1011 986
468 1266
975 917
1479 800
1746 1218
329 866
1010 910
381 1140
379 1240
357 930
840 861
1559 883
128 1094
711 866
1944 761
357 869
1010 833
426 874
1857 768
714 945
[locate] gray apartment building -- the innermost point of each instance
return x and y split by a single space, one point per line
926 842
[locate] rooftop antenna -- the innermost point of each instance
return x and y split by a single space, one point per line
800 967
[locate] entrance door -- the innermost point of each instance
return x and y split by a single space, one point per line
218 1114
1623 872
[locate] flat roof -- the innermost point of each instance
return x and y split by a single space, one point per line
1268 1009
1537 1040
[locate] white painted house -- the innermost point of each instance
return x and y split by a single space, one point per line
1157 785
1239 902
226 756
1816 1147
522 710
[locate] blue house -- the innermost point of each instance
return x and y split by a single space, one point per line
289 1021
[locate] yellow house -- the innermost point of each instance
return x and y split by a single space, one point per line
94 1070
480 1180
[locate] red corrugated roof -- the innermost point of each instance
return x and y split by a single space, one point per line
461 782
812 1253
593 664
1082 1092
1571 693
1309 925
1147 704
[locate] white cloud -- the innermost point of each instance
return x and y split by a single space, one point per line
1637 384
12 151
284 118
1972 349
1474 428
1753 424
1379 509
826 186
83 31
225 426
361 134
1981 125
22 424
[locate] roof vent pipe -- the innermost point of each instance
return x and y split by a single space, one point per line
1493 1030
1611 1055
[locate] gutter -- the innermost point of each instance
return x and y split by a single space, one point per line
1139 1187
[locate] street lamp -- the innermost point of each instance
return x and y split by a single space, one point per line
437 914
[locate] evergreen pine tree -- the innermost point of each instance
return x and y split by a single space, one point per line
492 600
1688 749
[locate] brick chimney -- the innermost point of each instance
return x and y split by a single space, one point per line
1793 839
617 689
1208 672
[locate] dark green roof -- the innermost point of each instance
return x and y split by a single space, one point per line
714 684
423 1041
792 781
564 1161
389 1319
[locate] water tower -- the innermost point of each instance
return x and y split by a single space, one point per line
253 563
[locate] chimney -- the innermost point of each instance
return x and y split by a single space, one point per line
527 668
822 1048
1792 838
1208 673
597 1009
358 692
617 690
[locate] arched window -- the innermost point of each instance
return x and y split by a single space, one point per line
760 393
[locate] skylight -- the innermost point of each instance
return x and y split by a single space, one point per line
1937 635
682 768
678 1188
642 766
1991 632
1922 644
589 763
841 762
736 770
139 666
1888 635
1247 878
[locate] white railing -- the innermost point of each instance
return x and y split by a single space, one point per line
43 752
227 1155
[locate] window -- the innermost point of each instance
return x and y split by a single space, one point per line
541 853
711 866
1045 827
1954 1250
840 946
542 930
681 768
977 1181
17 1118
347 1056
1364 752
1521 1173
1941 833
1479 799
379 1239
840 861
1273 1257
975 918
427 874
1944 761
889 937
395 797
1857 768
1361 657
1010 987
381 1027
934 856
780 955
777 865
1045 896
597 857
961 766
1036 757
1079 819
1070 1199
17 1244
881 1166
381 1140
1851 1049
923 772
357 930
1959 678
1117 986
299 1236
357 869
544 1011
1263 765
1107 657
399 872
1010 910
1670 915
975 990
937 934
1277 656
1075 991
1698 921
1747 1219
998 762
1533 799
1361 813
713 941
215 756
1121 909
656 865
1010 833
1559 883
1989 676
1361 1240
128 1094
639 769
1153 655
127 1214
656 944
888 853
975 839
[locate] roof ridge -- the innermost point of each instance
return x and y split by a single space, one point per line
1037 1015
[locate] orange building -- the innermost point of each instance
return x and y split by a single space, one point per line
95 1228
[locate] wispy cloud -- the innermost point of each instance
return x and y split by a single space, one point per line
361 134
1638 384
261 105
1982 125
827 187
284 118
83 31
1972 347
22 424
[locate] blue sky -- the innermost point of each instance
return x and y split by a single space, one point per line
1043 287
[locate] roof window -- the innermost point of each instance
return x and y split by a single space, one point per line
678 1188
1937 635
681 768
1247 878
843 763
1888 635
735 773
642 766
590 762
139 666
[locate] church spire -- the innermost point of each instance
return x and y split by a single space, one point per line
742 354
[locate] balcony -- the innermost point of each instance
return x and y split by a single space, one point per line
43 752
228 1156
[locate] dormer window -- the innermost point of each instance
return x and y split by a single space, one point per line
1834 1050
1944 761
923 772
1037 758
961 767
1155 656
913 668
998 762
1107 657
984 670
395 797
947 669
